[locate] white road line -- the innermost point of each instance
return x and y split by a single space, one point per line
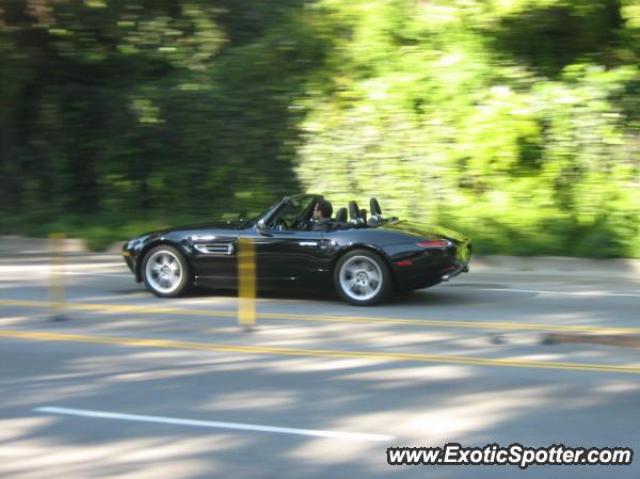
47 270
570 293
355 436
78 273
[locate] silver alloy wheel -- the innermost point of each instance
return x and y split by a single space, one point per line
163 271
360 278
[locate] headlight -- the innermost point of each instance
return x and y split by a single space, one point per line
136 243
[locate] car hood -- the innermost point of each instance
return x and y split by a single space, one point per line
210 225
219 225
424 230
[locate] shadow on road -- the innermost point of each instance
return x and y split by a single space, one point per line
432 296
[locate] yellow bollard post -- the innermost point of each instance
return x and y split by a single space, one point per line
57 283
246 284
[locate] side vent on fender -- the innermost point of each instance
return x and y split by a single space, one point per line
215 248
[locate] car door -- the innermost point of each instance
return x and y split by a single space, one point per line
287 257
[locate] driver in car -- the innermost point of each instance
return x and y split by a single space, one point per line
321 218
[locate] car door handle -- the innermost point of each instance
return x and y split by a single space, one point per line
308 243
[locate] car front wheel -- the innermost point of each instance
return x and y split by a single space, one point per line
165 272
362 278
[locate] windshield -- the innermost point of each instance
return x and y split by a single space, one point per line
293 212
289 210
254 219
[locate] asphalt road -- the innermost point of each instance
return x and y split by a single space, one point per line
129 385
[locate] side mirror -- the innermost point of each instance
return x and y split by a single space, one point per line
262 229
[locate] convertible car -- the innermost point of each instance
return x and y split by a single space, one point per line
365 258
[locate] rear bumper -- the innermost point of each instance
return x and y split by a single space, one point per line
459 268
432 266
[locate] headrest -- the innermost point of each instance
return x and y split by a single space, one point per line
374 207
354 212
341 215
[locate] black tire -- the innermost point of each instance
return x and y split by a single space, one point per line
372 267
176 261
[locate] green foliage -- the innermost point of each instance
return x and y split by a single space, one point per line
515 121
525 141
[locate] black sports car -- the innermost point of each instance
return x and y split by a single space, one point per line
366 259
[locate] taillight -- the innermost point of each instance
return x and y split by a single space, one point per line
433 243
404 262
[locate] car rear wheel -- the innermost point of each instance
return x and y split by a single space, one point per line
362 278
165 272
